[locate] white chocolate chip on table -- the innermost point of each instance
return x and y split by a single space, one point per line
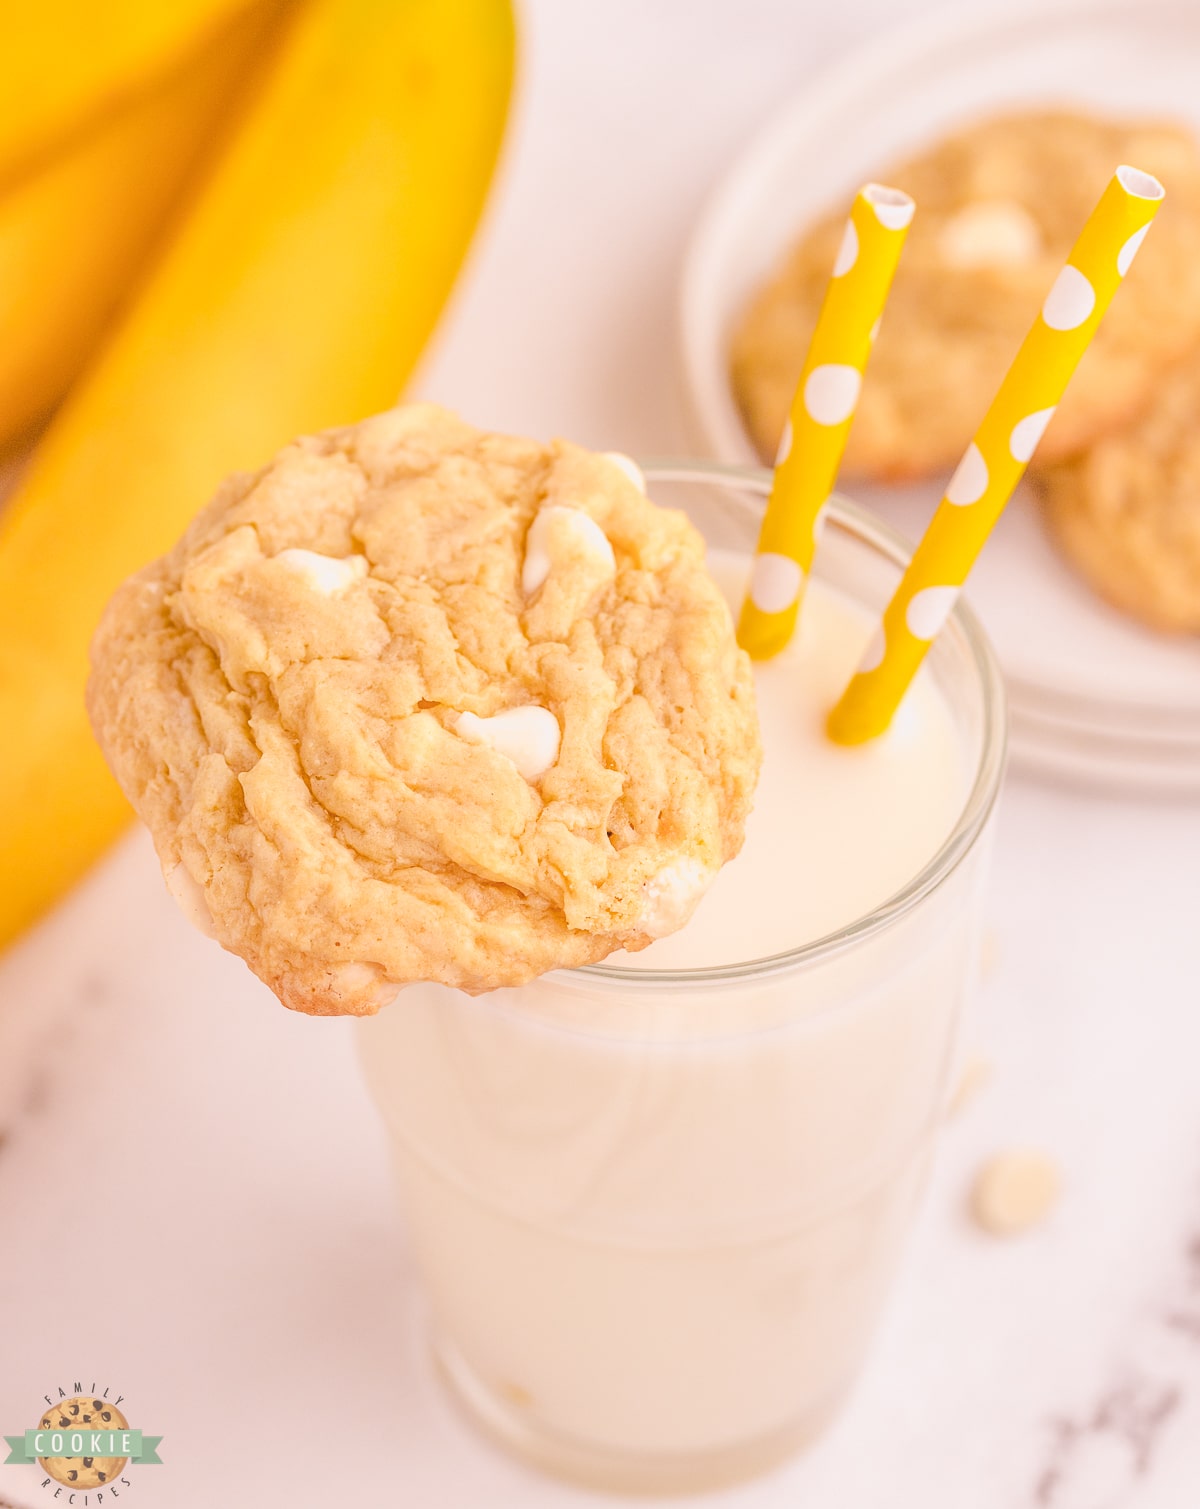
1014 1191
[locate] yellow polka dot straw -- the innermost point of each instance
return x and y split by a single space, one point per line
814 436
996 459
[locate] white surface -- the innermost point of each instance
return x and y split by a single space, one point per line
1053 635
239 1261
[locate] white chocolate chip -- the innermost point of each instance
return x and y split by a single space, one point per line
672 896
1015 1191
629 466
529 736
581 532
990 233
326 574
357 977
189 897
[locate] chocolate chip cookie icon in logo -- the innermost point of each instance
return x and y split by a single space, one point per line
79 1415
83 1443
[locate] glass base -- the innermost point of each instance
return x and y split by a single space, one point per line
510 1426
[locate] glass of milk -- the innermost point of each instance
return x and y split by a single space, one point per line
658 1202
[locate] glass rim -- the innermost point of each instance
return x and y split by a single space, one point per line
972 820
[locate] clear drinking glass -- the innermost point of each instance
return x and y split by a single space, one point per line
657 1212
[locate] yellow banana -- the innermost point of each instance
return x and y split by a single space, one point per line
73 234
65 62
297 294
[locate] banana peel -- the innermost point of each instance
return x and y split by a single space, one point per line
297 294
74 234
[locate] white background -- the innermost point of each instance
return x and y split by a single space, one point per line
194 1206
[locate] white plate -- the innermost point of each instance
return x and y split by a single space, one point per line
1091 692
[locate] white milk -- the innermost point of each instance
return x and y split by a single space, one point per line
656 1218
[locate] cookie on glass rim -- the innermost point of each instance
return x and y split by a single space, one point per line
420 702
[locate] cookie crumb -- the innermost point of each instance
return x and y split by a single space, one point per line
989 954
1014 1191
974 1074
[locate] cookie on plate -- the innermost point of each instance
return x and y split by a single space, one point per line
418 702
999 206
1127 512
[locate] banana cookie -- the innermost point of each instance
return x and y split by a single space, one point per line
1127 513
999 207
418 702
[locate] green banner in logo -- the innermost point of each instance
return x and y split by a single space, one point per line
84 1443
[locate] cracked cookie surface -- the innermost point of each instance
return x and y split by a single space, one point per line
999 206
381 734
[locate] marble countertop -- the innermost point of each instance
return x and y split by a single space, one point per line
238 1257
